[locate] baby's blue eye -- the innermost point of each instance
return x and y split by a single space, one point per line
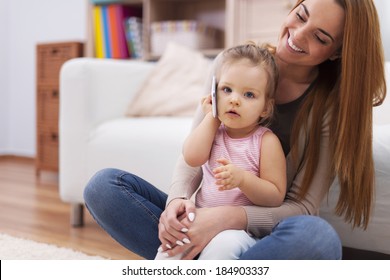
227 90
249 94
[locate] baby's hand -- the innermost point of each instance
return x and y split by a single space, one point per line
206 104
228 175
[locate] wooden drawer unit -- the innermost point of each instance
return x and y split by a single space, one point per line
50 58
47 156
47 105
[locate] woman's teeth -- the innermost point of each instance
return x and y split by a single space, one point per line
291 44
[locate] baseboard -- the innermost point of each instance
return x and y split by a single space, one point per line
17 157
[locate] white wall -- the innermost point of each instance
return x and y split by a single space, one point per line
23 24
3 78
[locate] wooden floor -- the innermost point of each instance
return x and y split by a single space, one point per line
30 207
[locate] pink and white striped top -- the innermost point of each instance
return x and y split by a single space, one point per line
244 153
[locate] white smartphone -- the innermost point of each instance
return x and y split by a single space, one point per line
214 97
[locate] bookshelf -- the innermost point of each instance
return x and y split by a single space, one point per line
235 20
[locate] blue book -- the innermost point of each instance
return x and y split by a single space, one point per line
107 36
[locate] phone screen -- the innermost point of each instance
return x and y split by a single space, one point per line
214 97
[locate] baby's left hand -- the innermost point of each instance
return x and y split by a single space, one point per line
228 175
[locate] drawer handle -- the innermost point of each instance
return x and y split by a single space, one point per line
54 51
54 136
55 93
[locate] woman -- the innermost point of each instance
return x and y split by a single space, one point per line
331 67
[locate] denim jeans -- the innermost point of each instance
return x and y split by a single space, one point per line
128 208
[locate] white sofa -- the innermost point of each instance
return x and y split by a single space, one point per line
95 134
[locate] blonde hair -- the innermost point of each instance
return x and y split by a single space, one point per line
347 89
257 56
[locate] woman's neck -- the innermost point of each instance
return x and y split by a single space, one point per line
293 81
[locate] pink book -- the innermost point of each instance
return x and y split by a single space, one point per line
120 19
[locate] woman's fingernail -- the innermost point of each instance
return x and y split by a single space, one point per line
178 242
165 255
186 240
191 217
168 246
159 249
184 229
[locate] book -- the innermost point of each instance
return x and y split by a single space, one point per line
98 32
120 12
110 34
106 32
133 27
114 32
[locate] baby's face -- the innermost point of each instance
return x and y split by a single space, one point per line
242 97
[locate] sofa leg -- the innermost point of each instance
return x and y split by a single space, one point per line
77 215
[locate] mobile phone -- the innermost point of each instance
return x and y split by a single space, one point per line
214 97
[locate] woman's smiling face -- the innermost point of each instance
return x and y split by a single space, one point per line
312 33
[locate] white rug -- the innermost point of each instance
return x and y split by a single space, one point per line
12 248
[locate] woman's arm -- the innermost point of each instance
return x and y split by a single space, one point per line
261 220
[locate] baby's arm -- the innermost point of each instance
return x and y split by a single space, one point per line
268 189
197 146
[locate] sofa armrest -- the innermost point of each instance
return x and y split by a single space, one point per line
91 92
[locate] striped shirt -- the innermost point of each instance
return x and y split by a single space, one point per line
243 153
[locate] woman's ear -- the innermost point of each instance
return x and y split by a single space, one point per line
335 56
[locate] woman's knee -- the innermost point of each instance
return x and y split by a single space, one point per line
100 183
298 238
314 233
306 225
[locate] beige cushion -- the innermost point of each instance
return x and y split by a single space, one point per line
175 86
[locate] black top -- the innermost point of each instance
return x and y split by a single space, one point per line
284 119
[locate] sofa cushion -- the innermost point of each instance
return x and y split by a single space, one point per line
174 87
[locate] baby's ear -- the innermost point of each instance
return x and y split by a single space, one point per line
268 110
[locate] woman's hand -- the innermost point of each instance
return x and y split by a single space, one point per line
207 224
171 230
201 231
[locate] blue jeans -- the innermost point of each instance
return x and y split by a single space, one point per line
128 208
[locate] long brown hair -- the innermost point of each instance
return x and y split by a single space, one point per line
346 89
